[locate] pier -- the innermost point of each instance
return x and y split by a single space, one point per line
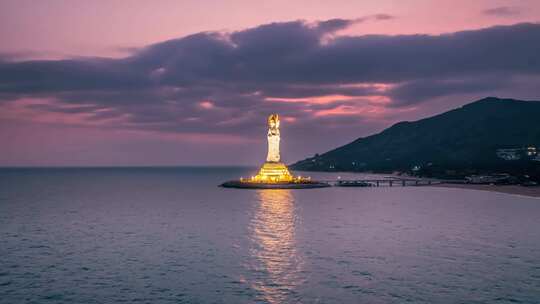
385 182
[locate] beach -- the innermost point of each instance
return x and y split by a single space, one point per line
509 189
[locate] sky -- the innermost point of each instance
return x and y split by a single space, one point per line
141 83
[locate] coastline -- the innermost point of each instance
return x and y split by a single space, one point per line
508 189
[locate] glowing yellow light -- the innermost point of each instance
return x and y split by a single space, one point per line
276 173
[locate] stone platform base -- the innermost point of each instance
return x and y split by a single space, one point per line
251 185
274 172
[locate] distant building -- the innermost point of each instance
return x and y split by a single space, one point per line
509 154
530 152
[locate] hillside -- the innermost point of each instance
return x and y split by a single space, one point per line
489 135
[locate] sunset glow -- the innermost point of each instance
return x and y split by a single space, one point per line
186 70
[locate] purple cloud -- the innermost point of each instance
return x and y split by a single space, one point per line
503 11
279 67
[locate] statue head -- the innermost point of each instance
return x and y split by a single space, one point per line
273 121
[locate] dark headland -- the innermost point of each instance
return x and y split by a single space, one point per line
487 139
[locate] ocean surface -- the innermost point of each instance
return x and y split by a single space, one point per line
170 235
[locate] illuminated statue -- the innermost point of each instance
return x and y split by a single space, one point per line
273 170
274 174
273 139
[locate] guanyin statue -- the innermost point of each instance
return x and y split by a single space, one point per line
274 174
273 139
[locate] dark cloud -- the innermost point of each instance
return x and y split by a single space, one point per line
383 17
34 77
214 82
503 11
333 25
420 90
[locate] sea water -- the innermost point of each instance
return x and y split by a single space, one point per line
170 235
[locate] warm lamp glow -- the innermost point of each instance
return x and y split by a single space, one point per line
273 172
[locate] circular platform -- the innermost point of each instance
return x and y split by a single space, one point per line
248 185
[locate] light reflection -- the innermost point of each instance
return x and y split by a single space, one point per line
274 246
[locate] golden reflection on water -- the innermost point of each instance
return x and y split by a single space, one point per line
272 230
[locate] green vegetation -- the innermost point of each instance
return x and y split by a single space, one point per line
491 135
